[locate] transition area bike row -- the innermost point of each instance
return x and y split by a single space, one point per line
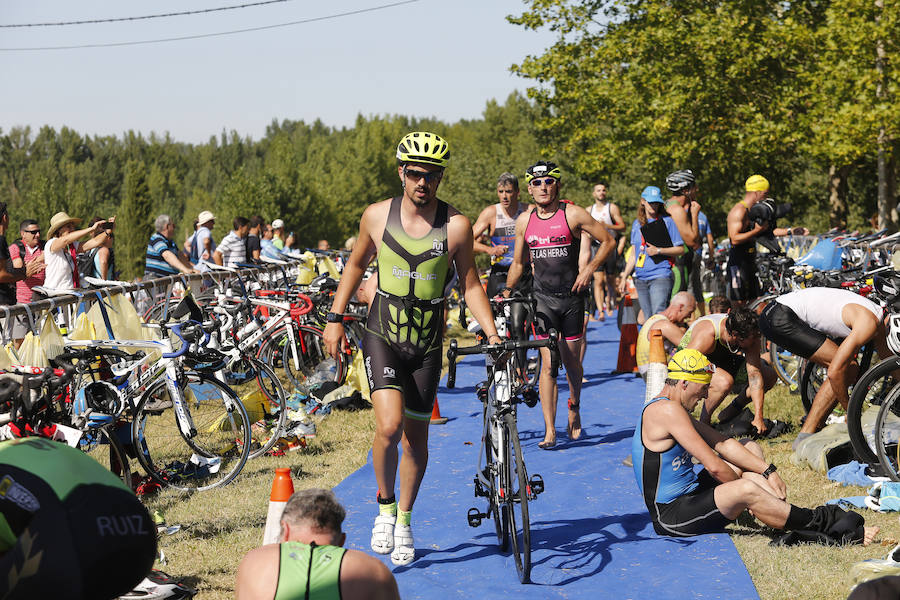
591 534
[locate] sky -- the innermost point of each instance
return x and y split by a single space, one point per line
427 58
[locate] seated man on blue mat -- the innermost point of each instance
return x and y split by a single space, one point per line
685 503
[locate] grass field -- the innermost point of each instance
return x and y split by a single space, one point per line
218 527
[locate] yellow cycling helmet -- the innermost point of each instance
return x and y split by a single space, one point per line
690 365
756 183
423 147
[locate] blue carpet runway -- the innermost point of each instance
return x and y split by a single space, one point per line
590 531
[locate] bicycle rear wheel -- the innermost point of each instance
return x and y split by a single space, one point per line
887 434
263 397
106 448
517 492
210 453
316 365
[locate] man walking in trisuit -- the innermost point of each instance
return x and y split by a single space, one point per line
418 239
605 279
552 232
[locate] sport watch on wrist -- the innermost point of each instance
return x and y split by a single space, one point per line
769 470
334 317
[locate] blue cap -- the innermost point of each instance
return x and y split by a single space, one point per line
652 194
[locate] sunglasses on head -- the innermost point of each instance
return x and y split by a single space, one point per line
545 181
430 176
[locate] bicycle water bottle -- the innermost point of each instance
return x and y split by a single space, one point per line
249 328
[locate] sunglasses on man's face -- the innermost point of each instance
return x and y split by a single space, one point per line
548 181
430 176
32 231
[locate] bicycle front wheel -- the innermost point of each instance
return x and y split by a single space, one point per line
868 394
887 434
517 491
496 506
204 447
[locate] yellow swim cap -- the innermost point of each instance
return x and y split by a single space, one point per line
690 365
757 183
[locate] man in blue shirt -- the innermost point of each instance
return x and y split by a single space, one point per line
163 257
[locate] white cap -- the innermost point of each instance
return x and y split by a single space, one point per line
205 217
277 224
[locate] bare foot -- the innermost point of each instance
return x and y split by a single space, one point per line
574 427
869 535
547 443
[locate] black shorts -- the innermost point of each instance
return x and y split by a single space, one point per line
99 542
743 284
691 514
782 326
565 314
415 375
609 264
726 360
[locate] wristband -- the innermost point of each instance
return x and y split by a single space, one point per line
769 470
334 317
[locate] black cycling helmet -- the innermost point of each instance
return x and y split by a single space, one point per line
542 168
681 181
207 360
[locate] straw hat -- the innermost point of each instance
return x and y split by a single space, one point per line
205 217
58 220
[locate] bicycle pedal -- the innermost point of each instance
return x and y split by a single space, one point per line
536 484
479 488
475 517
530 397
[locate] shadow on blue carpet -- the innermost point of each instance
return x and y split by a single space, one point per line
590 531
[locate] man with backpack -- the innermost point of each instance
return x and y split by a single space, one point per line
202 243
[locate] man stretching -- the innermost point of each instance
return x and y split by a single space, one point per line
552 232
735 478
731 341
418 240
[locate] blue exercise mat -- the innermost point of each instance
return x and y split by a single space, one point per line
591 534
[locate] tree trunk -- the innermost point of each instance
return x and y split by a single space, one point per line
837 196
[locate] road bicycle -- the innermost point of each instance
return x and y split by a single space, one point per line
501 476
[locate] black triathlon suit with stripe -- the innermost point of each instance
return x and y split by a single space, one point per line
405 327
554 254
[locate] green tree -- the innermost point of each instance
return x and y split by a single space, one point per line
134 223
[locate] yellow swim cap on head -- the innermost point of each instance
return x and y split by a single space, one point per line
691 365
757 183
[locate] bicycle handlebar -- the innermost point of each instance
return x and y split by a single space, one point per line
496 349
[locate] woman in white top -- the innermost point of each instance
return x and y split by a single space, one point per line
63 246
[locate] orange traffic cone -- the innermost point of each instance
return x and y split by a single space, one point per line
628 339
656 366
282 489
436 418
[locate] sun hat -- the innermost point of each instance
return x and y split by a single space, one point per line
58 220
205 217
277 224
